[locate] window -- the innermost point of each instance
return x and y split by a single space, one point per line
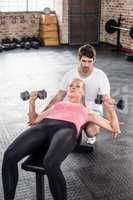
39 5
25 5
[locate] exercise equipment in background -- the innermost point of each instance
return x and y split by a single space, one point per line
27 43
113 26
129 57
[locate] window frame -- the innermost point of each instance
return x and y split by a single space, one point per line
6 7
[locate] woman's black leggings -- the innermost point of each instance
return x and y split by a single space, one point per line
55 139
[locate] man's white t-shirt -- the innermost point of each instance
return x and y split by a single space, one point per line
96 83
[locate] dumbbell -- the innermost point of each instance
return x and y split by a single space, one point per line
6 47
22 44
120 104
35 45
14 40
27 45
1 48
12 46
41 94
6 40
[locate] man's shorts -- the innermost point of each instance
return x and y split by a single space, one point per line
98 112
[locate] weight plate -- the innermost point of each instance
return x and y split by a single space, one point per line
109 26
131 32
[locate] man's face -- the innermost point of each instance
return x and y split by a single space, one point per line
86 64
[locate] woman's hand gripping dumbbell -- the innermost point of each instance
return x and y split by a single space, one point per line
120 104
41 94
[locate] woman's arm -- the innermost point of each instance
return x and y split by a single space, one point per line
102 122
110 110
33 116
112 124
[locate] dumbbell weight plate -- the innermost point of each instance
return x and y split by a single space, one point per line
1 48
6 47
131 32
35 45
24 95
109 26
42 94
27 45
121 104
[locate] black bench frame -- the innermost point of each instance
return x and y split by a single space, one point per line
33 164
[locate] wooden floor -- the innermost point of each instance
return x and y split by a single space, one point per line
105 174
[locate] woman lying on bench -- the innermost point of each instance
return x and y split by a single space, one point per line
57 129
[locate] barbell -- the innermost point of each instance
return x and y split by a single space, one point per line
111 26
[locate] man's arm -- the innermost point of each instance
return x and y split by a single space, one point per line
58 97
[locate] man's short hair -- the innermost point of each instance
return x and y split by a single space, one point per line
87 50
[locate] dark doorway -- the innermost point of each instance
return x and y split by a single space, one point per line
84 21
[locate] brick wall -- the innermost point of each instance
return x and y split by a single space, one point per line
20 24
111 9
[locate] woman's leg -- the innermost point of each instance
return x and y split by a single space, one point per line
25 144
62 143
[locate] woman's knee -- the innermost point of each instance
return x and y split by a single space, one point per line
9 156
48 165
51 165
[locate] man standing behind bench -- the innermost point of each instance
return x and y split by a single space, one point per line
96 83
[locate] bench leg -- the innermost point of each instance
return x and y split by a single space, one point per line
40 187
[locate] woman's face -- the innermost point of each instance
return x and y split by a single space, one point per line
76 90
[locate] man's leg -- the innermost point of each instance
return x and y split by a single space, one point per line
92 129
